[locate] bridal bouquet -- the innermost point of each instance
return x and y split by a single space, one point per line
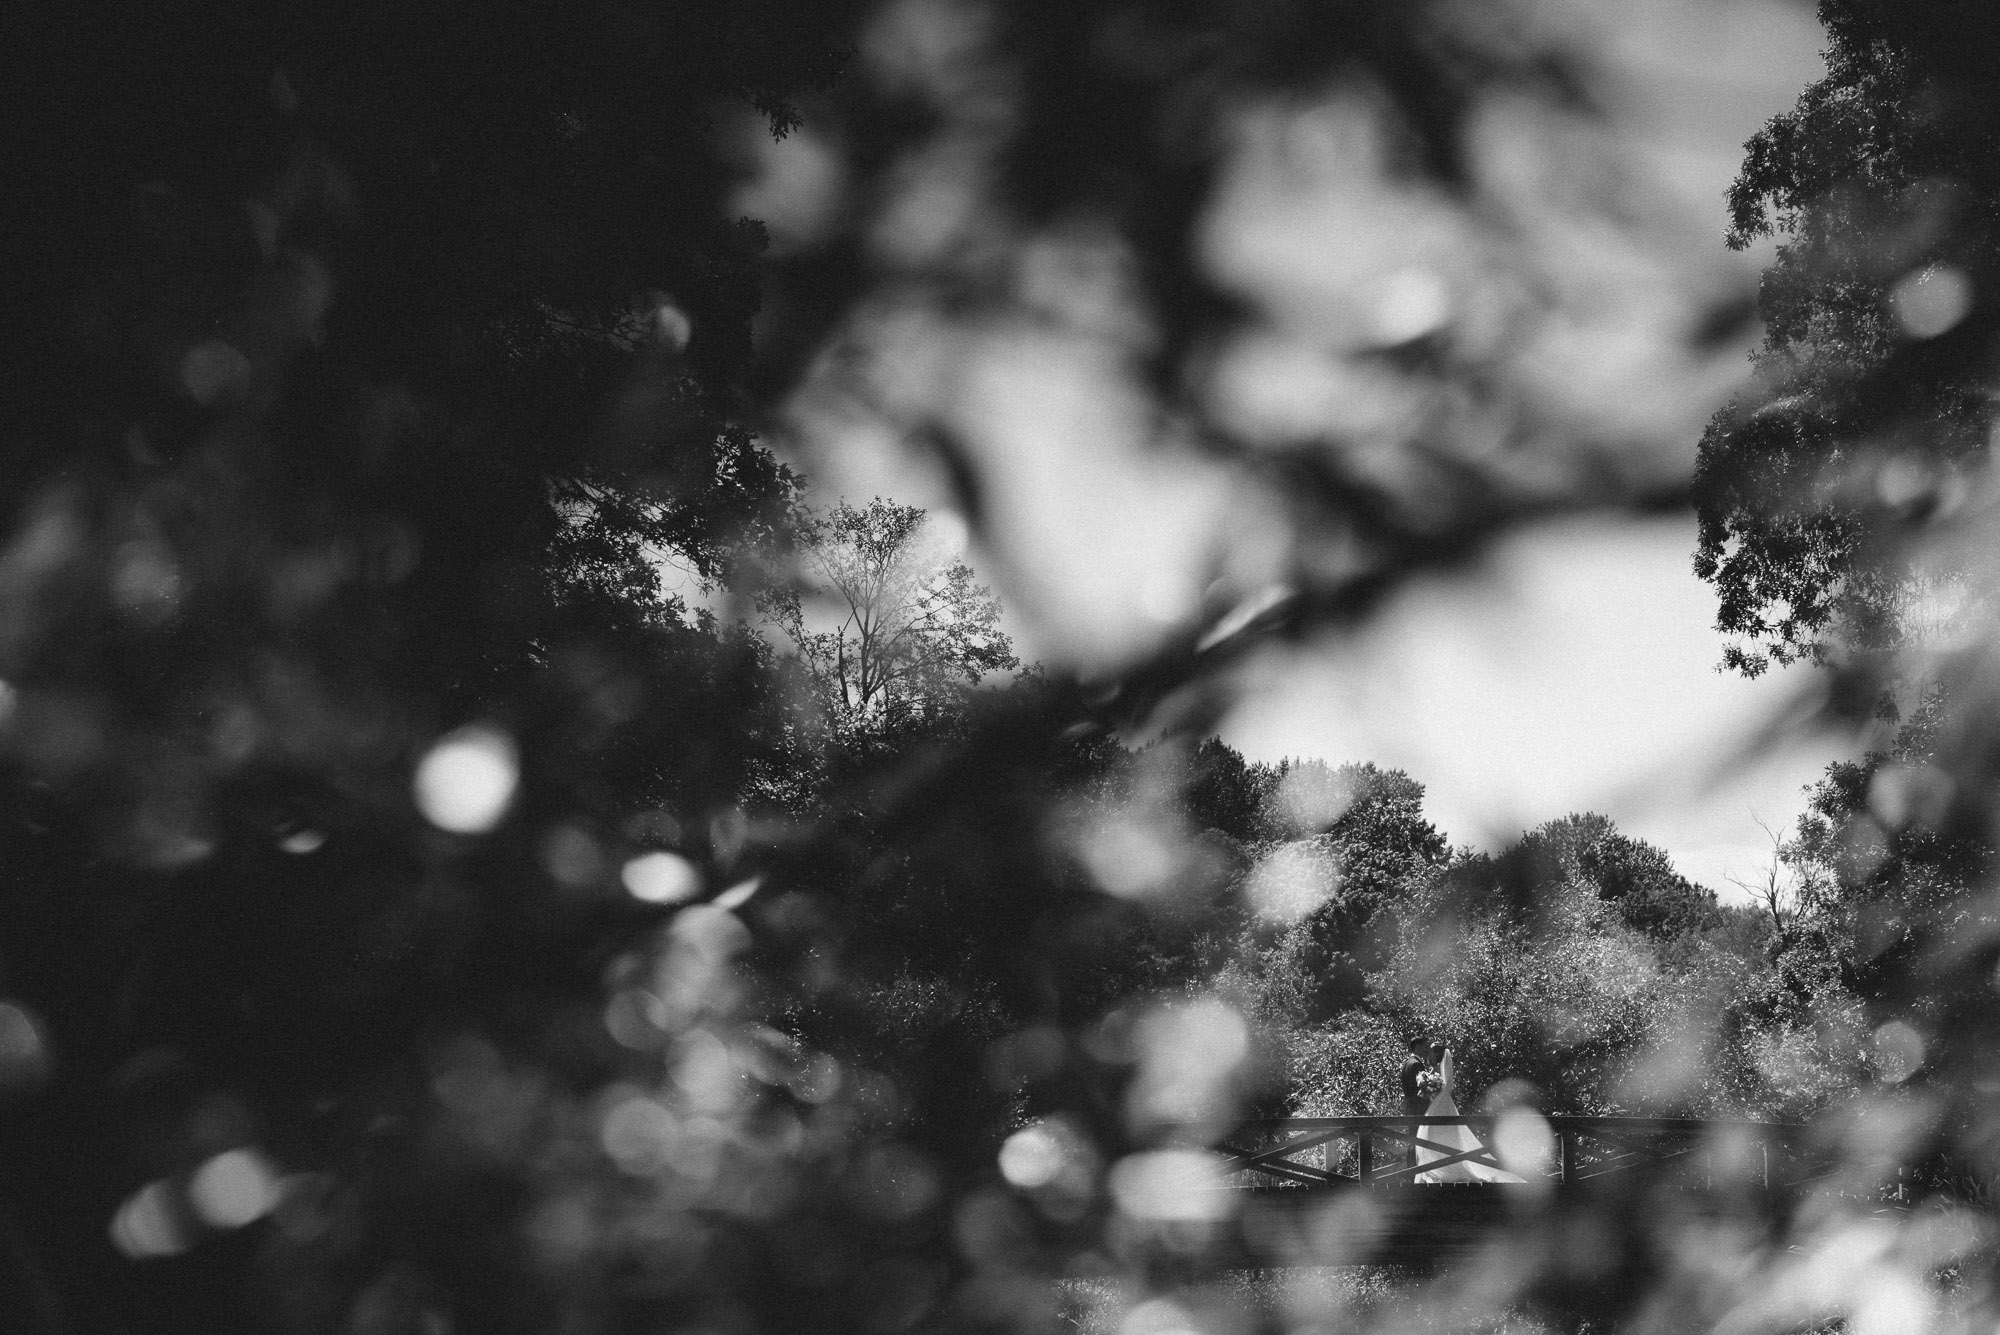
1429 1084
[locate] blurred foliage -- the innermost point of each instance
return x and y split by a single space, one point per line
432 902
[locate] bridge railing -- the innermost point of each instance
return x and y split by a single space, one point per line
1327 1152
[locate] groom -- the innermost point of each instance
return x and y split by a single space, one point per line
1415 1104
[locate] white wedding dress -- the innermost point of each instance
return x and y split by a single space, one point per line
1459 1139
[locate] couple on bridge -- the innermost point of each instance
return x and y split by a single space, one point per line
1429 1083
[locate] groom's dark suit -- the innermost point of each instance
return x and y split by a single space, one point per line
1415 1105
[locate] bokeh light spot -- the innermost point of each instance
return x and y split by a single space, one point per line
466 782
234 1188
1311 797
636 1018
1159 1316
149 1224
1291 881
301 842
1031 1157
306 1206
24 1050
1171 1186
1899 1051
1130 859
661 878
736 896
1409 304
146 581
639 1134
572 857
1056 1163
816 1080
707 1071
710 933
1191 1057
562 1229
213 371
1894 1303
1905 480
1524 1143
1930 301
672 325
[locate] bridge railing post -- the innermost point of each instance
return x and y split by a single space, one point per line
1364 1154
1566 1144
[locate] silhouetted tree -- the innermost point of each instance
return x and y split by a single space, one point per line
911 632
1632 874
1225 792
1815 496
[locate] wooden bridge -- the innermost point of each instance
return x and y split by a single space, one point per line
1332 1190
1564 1151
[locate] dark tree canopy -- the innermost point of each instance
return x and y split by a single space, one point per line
1632 874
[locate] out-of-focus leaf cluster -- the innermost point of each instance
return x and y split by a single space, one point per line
421 913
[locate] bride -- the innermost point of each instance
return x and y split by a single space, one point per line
1457 1139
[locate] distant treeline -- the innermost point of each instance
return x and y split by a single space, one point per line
1318 900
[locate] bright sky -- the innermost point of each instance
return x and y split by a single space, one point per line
1577 674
